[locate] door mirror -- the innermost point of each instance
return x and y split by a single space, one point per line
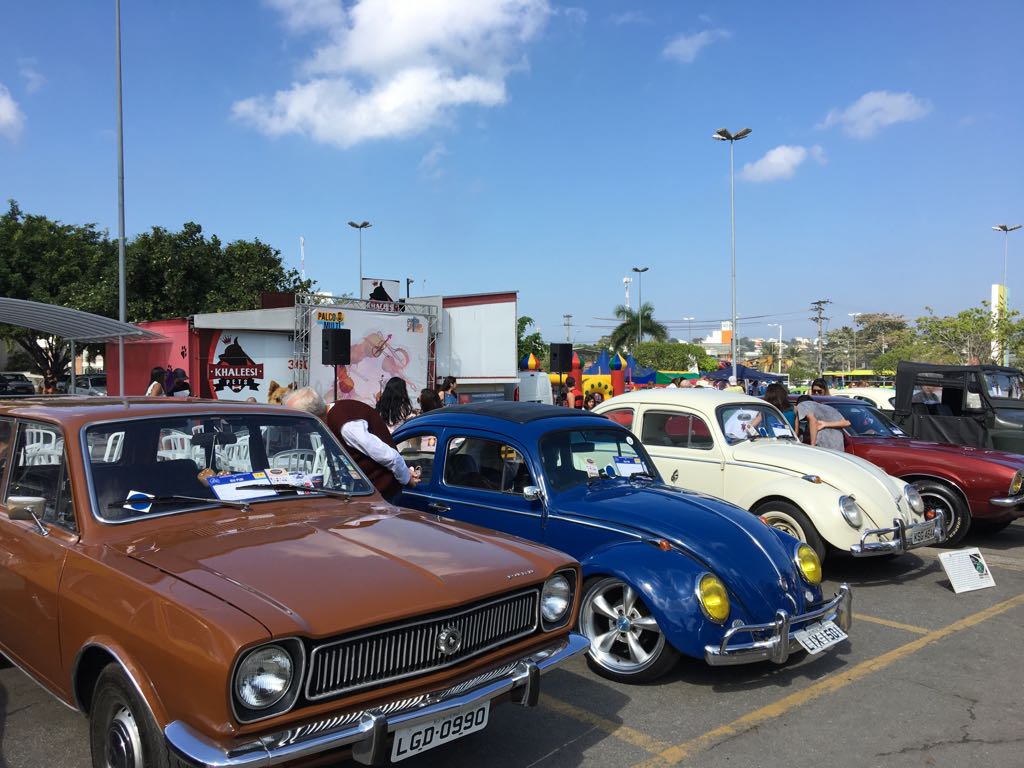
531 493
27 508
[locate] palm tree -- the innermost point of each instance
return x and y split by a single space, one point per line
626 332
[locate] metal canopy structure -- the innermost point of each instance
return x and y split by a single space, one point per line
71 324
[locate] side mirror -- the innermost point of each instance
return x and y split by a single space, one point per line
532 493
27 508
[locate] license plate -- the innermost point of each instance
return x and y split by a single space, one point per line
819 637
921 534
423 736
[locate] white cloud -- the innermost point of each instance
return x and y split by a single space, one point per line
32 77
392 68
430 163
876 110
686 47
574 14
780 163
11 117
629 17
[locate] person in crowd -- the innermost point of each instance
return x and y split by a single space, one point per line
777 395
573 395
157 376
588 402
251 399
819 387
448 391
672 384
824 423
394 405
49 385
429 400
734 386
181 387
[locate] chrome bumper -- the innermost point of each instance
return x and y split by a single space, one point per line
366 732
780 642
927 534
1008 502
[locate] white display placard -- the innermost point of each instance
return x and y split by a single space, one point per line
967 570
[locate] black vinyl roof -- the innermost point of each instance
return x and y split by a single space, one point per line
519 413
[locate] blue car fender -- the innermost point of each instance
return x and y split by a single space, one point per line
666 581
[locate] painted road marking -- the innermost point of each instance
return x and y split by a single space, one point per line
679 752
618 730
890 623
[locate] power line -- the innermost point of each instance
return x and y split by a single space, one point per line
818 308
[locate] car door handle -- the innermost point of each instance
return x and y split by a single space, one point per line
438 507
675 476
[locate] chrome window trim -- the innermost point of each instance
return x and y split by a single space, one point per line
443 616
503 441
654 411
9 470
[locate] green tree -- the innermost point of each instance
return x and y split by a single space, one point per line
632 323
527 343
878 332
964 337
673 356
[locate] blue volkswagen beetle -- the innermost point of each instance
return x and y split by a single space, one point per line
666 571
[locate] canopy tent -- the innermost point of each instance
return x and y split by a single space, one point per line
634 372
665 377
742 372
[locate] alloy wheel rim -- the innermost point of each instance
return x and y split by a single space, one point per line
941 506
124 742
624 636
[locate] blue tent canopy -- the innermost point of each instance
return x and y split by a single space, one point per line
742 372
634 372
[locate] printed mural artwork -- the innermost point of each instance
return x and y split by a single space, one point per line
238 365
383 345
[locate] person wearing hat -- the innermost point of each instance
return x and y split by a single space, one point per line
733 386
181 387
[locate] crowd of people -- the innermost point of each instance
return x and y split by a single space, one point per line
172 382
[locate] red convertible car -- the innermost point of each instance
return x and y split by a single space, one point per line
972 487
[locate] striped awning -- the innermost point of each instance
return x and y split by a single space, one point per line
70 324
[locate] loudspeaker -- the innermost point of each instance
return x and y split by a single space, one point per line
337 346
561 358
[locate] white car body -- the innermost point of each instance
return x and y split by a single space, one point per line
759 474
879 397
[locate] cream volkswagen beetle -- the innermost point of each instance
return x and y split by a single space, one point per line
741 449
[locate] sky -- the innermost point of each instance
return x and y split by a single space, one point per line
547 147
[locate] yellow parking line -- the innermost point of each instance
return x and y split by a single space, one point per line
679 752
893 624
618 730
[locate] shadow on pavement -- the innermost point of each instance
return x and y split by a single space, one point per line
883 571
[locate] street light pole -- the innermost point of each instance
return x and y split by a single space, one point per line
778 351
360 227
854 315
122 302
723 135
640 303
689 325
1006 230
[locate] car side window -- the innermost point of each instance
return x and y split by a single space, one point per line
623 416
39 468
676 430
489 465
418 452
6 446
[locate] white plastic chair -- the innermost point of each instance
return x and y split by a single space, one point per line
294 460
112 452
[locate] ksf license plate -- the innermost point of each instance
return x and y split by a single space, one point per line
921 534
819 637
423 736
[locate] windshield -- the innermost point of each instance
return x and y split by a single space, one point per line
866 421
1009 385
750 421
575 457
210 457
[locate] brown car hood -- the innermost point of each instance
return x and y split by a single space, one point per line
319 573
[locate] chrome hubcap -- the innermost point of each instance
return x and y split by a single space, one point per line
785 523
624 636
124 744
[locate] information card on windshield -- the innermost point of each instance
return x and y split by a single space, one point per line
228 487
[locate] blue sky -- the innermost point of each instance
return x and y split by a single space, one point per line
547 147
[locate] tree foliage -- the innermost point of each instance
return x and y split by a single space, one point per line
632 323
527 343
672 356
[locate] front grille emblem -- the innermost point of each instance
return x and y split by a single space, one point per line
449 641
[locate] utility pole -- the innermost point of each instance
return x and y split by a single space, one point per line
818 308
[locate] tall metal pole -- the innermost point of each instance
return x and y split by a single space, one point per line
640 309
732 218
360 261
122 305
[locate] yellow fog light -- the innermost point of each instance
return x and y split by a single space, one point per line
713 598
809 564
1015 484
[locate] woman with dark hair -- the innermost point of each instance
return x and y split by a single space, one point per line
429 400
819 387
447 391
156 382
394 406
777 395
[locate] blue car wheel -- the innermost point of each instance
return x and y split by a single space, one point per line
626 643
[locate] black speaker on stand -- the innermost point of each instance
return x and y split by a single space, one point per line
336 349
561 360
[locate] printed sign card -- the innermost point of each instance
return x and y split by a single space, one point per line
967 570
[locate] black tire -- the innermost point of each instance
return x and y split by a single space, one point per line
791 519
619 660
957 516
122 733
988 527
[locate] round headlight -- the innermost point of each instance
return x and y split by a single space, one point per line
809 564
1017 482
713 598
914 500
555 599
851 510
263 677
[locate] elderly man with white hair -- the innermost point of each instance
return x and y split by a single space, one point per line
364 433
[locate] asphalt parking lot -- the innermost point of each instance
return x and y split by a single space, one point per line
928 678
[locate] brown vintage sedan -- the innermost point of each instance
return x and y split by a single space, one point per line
217 584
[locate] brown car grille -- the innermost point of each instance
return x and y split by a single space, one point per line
414 648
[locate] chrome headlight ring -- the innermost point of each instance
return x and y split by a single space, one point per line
1017 482
266 679
850 510
914 500
556 599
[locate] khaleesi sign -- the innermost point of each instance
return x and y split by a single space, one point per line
238 365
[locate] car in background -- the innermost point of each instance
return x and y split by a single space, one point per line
16 384
666 572
217 584
882 398
979 489
741 449
90 384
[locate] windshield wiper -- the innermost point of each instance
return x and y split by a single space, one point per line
643 475
128 503
296 489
